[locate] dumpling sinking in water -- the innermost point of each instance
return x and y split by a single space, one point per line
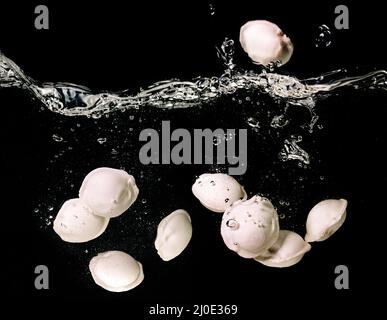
325 219
265 43
286 251
173 234
116 271
75 222
217 191
108 192
250 227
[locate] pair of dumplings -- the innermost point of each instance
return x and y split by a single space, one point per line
251 227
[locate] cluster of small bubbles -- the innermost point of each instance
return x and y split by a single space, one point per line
57 137
218 140
324 37
230 136
101 140
284 202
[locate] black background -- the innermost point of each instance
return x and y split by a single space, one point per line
113 46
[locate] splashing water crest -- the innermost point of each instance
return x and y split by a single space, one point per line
74 100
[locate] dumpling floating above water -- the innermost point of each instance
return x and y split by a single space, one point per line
173 234
325 219
108 192
217 191
116 271
265 43
250 227
286 251
75 222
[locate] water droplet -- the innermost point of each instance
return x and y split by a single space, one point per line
36 210
282 216
226 200
131 117
50 208
324 37
143 201
57 138
86 251
212 9
114 151
101 140
252 122
212 183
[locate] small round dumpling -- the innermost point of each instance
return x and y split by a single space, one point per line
217 191
265 43
286 251
250 227
325 219
116 271
173 234
75 222
108 192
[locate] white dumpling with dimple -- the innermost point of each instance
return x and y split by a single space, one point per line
217 191
250 227
75 222
116 271
325 219
265 43
286 251
173 234
108 192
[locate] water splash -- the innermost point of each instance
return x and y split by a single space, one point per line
74 100
324 37
292 151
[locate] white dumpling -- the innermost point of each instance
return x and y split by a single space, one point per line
265 43
116 271
108 192
325 219
250 227
286 251
75 222
217 191
173 234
